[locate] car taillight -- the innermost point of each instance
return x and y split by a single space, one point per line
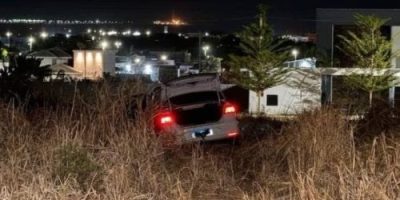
233 134
165 119
230 108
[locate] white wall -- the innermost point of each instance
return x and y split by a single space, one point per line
52 60
300 91
94 63
396 45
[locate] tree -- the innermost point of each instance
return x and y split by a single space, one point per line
370 50
16 78
263 59
211 65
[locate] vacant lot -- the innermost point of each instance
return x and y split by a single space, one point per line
92 149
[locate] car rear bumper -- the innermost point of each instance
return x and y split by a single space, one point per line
221 130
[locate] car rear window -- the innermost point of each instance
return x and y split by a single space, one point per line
193 98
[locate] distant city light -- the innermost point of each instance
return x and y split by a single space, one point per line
89 31
148 32
164 57
148 69
118 44
128 67
137 60
113 32
137 33
93 38
206 48
8 34
31 40
104 45
173 22
295 53
44 35
67 35
126 33
60 22
206 34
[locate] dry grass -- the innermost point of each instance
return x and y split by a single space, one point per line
107 155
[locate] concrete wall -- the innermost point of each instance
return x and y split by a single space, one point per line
301 91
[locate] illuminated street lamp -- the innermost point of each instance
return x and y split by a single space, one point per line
118 44
67 35
44 35
9 34
31 40
137 33
206 48
137 60
104 45
148 33
295 53
164 57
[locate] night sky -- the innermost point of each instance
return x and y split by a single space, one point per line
225 15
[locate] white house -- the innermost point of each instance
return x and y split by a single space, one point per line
300 91
51 56
306 89
64 72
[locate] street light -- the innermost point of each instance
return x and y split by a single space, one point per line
31 40
206 48
295 53
164 57
148 33
118 44
137 60
137 33
104 45
9 34
44 35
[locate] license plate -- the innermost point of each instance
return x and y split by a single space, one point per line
202 133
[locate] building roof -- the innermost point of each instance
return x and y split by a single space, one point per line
63 68
53 52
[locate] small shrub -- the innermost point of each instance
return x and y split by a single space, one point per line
75 162
380 118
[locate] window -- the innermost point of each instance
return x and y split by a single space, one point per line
272 100
193 98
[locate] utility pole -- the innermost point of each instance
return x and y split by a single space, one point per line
200 49
332 44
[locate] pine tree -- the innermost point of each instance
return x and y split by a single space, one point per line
370 50
262 65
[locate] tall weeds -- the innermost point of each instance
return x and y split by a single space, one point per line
90 148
